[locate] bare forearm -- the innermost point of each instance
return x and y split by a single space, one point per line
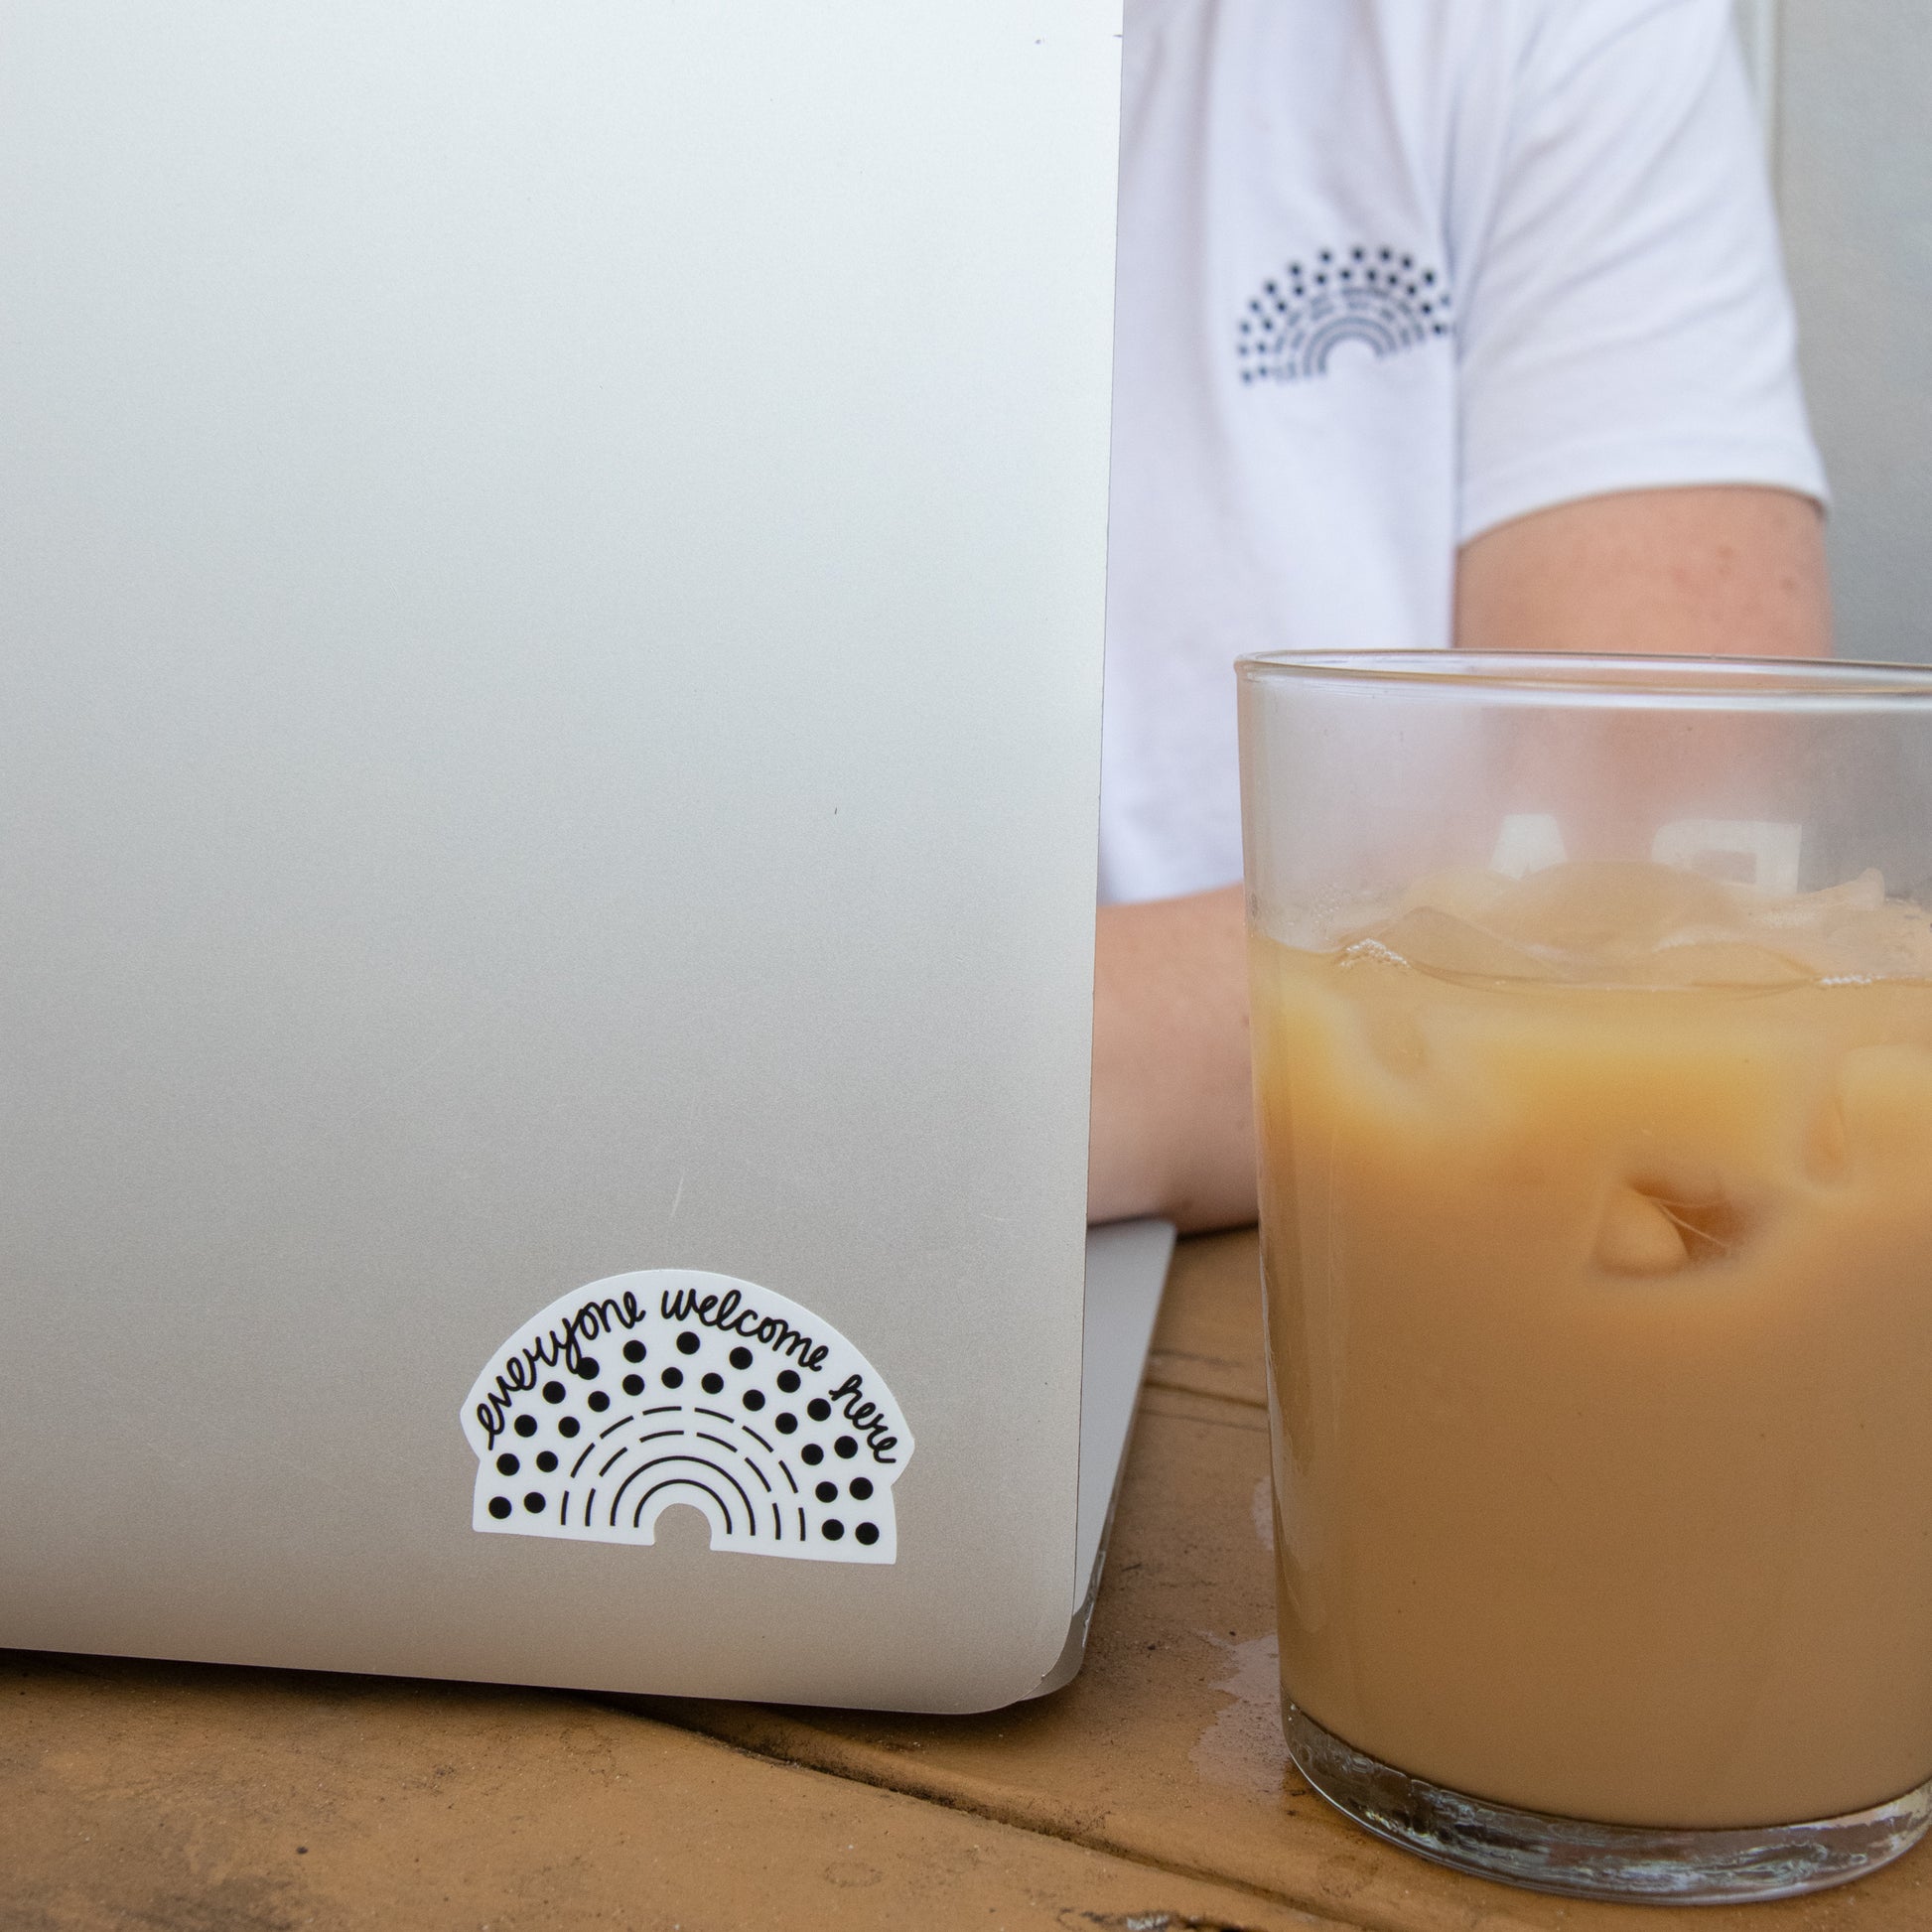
1172 1118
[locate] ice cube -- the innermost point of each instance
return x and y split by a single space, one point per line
1720 962
1893 942
1865 893
1592 908
1846 932
1440 944
1395 1036
1465 892
1706 1220
1637 1236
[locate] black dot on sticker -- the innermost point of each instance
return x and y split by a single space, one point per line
845 1449
600 1401
589 1367
754 1399
819 1408
569 1426
741 1358
499 1507
827 1492
788 1379
812 1453
633 1385
713 1383
633 1351
674 1377
862 1488
867 1532
534 1503
526 1424
831 1529
547 1461
507 1465
785 1424
687 1343
553 1392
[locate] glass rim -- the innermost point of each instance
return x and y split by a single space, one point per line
1601 678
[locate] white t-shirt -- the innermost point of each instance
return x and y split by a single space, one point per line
1393 271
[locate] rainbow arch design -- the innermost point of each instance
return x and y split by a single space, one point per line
1382 298
674 1386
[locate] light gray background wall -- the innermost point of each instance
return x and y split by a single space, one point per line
1847 91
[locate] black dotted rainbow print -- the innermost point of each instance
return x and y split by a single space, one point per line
672 1387
1382 298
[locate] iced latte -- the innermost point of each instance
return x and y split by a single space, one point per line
1598 1235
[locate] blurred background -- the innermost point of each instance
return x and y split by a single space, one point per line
1845 95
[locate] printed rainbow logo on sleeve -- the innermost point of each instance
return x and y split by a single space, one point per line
1381 298
671 1386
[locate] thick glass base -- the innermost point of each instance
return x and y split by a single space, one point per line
1586 1861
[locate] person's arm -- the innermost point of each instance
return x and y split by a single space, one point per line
1728 570
1723 570
1173 1117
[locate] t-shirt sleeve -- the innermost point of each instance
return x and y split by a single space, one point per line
1625 319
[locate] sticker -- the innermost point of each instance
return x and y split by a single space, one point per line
670 1387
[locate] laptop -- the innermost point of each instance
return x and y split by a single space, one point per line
548 763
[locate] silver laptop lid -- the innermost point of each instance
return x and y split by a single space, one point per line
548 732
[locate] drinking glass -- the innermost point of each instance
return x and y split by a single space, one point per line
1593 1043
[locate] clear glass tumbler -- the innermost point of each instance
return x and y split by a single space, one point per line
1592 1035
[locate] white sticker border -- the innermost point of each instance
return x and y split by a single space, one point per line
676 1387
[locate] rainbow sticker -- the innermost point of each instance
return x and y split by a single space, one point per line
670 1386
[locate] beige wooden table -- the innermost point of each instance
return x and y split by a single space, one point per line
1151 1794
